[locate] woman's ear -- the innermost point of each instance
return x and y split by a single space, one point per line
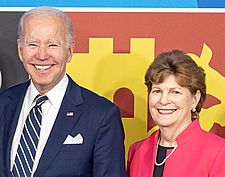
197 97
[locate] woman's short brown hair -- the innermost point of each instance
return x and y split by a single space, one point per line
183 67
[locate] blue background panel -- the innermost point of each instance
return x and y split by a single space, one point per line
102 3
211 3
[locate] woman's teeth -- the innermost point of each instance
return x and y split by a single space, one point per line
166 111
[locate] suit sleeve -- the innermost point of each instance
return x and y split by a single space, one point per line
1 145
109 150
218 168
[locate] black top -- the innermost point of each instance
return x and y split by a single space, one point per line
161 155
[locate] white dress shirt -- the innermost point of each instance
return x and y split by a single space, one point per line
50 110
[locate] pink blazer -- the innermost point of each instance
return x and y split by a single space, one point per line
199 154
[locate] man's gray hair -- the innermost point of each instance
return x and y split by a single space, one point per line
46 11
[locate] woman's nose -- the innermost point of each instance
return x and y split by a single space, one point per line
164 99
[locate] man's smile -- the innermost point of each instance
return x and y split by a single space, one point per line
42 67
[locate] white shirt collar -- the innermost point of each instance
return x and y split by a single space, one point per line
32 93
55 95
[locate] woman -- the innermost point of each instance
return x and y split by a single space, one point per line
180 148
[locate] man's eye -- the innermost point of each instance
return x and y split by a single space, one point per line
53 45
32 45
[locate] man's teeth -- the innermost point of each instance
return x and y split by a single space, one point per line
166 111
42 67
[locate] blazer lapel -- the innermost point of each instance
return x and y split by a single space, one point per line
145 157
62 127
151 153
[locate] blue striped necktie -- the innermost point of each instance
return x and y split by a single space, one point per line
27 147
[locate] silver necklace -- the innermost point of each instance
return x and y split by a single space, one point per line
159 164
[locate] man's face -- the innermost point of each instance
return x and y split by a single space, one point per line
44 51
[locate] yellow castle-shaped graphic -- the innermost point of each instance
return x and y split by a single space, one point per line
105 72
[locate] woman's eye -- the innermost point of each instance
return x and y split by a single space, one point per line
176 92
156 91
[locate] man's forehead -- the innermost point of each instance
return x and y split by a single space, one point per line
43 18
55 23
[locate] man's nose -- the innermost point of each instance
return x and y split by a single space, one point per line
42 53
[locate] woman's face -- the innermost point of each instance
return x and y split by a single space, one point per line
170 104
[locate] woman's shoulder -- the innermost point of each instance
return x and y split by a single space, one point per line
211 141
203 137
144 142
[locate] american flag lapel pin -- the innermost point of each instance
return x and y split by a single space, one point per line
69 114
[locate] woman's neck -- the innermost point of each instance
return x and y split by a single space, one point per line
169 134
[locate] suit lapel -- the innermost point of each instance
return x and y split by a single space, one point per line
12 113
62 127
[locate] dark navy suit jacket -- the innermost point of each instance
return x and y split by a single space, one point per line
94 117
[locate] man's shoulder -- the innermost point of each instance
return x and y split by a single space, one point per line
13 90
11 93
89 102
90 97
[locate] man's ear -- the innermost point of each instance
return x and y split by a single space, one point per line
70 52
20 50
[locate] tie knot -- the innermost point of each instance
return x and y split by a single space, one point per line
40 99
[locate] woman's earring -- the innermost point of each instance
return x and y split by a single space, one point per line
194 109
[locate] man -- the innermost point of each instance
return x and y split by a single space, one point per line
72 132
